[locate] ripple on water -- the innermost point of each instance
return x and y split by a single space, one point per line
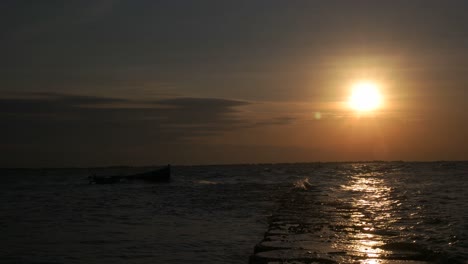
368 212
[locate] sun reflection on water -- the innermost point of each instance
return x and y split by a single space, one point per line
371 198
372 261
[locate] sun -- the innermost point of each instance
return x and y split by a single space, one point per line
365 97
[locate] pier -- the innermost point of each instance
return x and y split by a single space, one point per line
309 228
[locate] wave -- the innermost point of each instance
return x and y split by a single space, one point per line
303 184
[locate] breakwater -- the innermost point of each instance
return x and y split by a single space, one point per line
309 226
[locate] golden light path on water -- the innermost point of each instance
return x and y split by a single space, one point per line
372 215
357 213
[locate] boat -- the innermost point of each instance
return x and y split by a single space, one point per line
160 175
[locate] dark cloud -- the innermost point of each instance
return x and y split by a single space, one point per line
52 108
49 127
45 122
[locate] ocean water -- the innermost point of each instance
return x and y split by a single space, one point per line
218 214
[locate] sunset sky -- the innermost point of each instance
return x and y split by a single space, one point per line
97 83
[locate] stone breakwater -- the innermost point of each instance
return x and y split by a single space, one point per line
309 228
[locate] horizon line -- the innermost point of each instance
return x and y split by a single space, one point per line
229 164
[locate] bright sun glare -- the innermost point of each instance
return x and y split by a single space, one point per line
365 97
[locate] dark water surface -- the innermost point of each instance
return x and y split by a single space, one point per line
217 214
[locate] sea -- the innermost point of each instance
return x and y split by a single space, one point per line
220 213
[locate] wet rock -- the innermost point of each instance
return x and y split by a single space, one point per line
290 256
305 230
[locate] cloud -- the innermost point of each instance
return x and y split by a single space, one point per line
283 120
195 115
103 130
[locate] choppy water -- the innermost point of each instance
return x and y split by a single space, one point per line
217 214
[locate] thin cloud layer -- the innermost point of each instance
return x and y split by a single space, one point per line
58 125
56 111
